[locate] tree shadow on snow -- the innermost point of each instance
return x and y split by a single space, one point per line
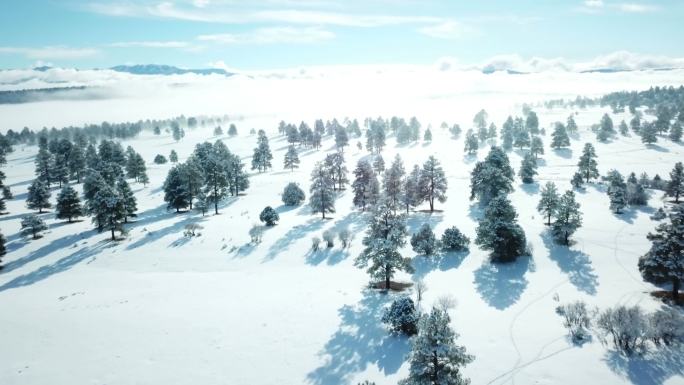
529 188
62 265
333 256
294 234
574 263
565 153
501 284
361 340
652 368
414 222
422 265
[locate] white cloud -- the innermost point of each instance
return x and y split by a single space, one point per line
50 52
271 36
637 8
150 44
593 3
446 30
597 6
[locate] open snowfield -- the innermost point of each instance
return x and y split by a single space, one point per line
160 308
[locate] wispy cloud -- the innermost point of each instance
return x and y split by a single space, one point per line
150 44
598 6
271 36
50 52
446 30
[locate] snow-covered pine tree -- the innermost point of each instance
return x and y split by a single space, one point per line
435 358
32 225
38 196
192 176
386 234
341 138
68 204
402 317
336 167
587 163
108 209
411 196
238 181
427 136
617 191
378 164
528 168
261 160
76 162
269 216
522 137
537 146
675 134
44 165
173 156
471 143
322 198
491 177
571 126
201 202
559 136
424 241
393 181
176 194
507 134
606 129
648 133
293 195
675 187
454 240
548 203
499 231
128 200
432 183
567 218
664 262
624 129
365 185
291 158
232 130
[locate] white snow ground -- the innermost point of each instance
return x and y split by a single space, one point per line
160 308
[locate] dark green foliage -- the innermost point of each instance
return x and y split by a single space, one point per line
401 317
269 216
454 240
499 231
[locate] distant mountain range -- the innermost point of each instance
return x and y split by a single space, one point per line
161 69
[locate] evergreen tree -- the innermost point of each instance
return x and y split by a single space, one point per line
571 126
177 132
577 180
215 176
424 241
291 158
532 123
482 133
232 130
648 133
386 234
522 138
218 131
192 176
38 196
365 185
109 210
77 163
3 248
624 130
411 196
59 170
480 122
455 130
292 134
402 316
528 169
471 144
238 180
433 183
68 204
664 262
341 138
491 177
454 240
499 231
173 156
559 136
507 134
379 164
606 129
635 124
427 136
567 217
336 166
675 187
32 225
92 159
537 146
293 195
435 358
676 132
617 191
269 216
414 127
130 205
322 198
549 201
393 181
261 160
491 134
44 165
587 163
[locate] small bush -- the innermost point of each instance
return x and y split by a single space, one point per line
402 317
627 328
454 240
269 216
293 195
345 237
160 159
192 230
255 233
666 326
424 241
576 318
329 238
315 244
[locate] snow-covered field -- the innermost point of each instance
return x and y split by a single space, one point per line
160 308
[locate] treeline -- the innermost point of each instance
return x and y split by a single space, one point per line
31 95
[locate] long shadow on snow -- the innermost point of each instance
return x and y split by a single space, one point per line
352 222
501 284
574 263
360 341
292 235
414 222
62 265
652 368
422 264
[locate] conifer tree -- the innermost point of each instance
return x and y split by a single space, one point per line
393 181
606 129
435 358
675 187
341 138
38 196
499 231
175 192
322 198
108 209
559 136
336 166
432 183
379 164
676 132
238 180
293 195
522 139
32 225
173 156
427 136
617 191
261 160
567 217
68 204
587 163
269 216
365 185
528 169
76 163
130 205
571 126
537 146
232 130
624 130
411 196
507 134
201 203
491 177
471 144
291 158
424 241
44 161
648 133
548 203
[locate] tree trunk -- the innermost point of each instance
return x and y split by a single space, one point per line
435 363
113 237
675 289
387 277
549 220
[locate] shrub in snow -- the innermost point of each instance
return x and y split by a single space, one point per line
424 241
160 159
315 244
454 240
577 180
269 216
32 225
576 319
666 326
192 230
7 193
255 233
329 238
293 195
627 328
659 215
345 236
401 316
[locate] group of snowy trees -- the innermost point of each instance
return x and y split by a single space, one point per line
208 176
564 209
6 193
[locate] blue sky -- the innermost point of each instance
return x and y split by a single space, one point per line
264 34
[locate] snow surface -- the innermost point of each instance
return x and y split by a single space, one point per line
158 307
